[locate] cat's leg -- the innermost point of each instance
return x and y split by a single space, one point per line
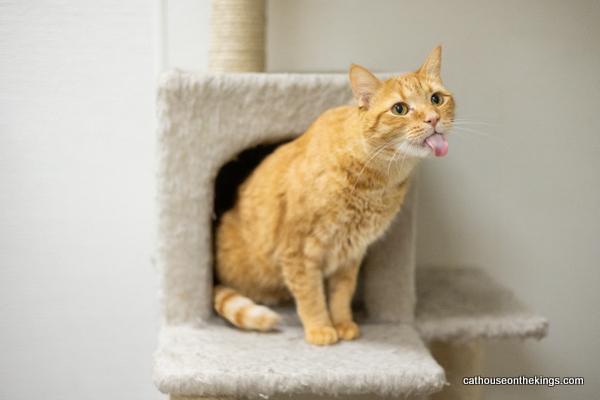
341 287
304 279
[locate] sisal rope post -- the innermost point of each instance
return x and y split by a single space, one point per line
237 39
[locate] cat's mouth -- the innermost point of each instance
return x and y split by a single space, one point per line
437 143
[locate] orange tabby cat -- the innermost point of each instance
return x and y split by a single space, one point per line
305 216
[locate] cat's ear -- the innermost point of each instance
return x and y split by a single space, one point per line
364 85
432 66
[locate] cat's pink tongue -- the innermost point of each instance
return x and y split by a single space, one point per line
438 144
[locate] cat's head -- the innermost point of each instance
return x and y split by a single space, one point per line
409 114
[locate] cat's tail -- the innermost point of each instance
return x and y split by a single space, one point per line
243 312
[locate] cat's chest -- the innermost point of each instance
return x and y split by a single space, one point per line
360 223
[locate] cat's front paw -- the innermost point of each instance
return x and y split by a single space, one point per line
321 335
347 330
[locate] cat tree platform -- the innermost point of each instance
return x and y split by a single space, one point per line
205 121
389 359
465 304
459 304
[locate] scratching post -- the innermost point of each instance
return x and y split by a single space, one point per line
237 39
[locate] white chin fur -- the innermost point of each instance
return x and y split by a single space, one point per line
414 150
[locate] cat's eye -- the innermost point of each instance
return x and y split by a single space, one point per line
437 98
400 108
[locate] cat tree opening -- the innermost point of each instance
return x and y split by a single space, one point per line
233 173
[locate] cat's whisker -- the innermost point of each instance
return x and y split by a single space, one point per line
403 160
391 161
469 123
462 129
468 127
376 153
470 118
401 164
472 122
464 135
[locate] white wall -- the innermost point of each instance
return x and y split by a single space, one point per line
77 290
78 309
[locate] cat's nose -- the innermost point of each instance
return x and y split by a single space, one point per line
432 119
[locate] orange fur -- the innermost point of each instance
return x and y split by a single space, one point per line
306 215
243 312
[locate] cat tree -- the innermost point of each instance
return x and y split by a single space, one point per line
407 314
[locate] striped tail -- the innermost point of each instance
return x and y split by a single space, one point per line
243 312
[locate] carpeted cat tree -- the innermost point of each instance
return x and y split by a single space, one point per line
421 327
